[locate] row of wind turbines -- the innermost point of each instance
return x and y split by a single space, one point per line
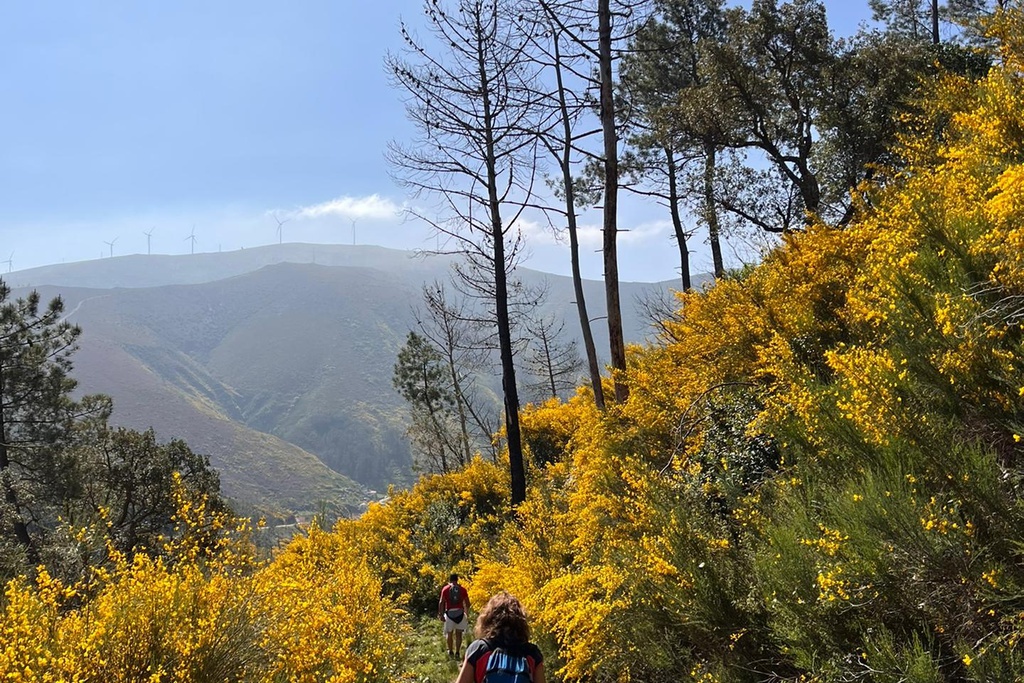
149 241
191 238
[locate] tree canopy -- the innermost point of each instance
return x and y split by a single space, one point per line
61 465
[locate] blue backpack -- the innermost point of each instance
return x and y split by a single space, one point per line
501 666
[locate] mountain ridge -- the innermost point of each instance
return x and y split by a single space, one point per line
279 370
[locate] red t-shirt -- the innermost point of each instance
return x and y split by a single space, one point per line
447 597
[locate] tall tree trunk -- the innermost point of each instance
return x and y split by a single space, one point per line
710 208
549 363
438 427
10 495
935 22
593 366
460 405
677 223
508 371
611 189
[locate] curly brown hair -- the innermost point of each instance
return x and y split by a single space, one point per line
503 619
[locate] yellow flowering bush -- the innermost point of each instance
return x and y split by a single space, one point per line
819 454
816 477
416 538
325 618
205 609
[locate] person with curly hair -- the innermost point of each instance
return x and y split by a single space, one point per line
503 651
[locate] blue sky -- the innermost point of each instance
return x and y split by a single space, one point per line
125 118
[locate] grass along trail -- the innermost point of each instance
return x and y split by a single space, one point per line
427 655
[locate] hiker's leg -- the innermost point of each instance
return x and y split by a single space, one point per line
458 641
448 628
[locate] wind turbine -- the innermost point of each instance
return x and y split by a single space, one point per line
9 262
149 237
111 245
353 232
192 236
280 223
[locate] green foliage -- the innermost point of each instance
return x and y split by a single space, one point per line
422 379
128 479
817 475
783 119
37 415
64 469
918 19
419 375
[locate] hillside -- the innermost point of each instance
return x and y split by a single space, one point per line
155 385
275 371
155 270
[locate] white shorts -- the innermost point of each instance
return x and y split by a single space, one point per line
450 625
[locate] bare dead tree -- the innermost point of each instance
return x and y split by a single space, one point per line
471 94
459 335
553 361
563 62
602 31
660 309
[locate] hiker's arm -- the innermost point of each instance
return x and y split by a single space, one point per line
538 674
466 673
440 606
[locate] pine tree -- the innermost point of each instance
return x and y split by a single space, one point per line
420 377
37 413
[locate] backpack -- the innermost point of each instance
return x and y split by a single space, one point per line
502 666
454 595
453 604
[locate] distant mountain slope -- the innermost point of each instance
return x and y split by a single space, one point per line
154 385
154 271
300 351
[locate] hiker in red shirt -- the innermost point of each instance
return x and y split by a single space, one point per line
453 609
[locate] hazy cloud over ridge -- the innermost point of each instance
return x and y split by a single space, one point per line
373 206
590 234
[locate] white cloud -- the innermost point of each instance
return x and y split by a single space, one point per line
644 232
537 233
373 207
590 234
